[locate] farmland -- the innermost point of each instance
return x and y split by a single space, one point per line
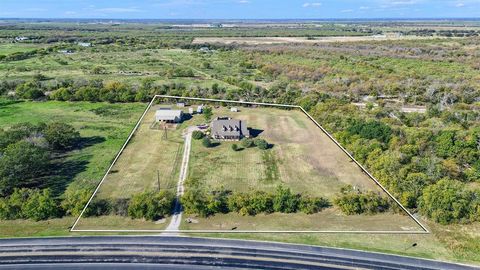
426 157
302 158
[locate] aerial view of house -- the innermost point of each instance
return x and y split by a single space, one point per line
226 128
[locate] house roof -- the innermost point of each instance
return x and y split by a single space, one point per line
229 127
165 114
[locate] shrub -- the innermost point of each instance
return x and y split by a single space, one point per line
309 205
285 201
218 202
29 203
352 202
74 201
247 143
151 205
197 135
261 144
206 142
61 136
234 147
251 203
98 207
40 205
207 113
195 201
120 207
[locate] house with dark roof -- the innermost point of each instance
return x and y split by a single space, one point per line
228 129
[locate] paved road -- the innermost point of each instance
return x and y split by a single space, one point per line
166 252
174 225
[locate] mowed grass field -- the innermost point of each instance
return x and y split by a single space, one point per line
150 158
302 157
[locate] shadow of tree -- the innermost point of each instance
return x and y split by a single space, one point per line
85 142
255 132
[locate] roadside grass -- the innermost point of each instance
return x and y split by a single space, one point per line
458 243
326 220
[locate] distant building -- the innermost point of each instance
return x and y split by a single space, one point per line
204 50
234 109
66 51
180 104
200 109
190 110
21 38
85 44
225 128
168 115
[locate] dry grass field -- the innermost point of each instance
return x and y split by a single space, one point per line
147 153
327 220
307 161
302 158
286 40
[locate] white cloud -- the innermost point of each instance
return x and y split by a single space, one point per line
70 12
243 2
364 8
460 4
346 10
315 4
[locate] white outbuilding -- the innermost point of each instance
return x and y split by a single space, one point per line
168 116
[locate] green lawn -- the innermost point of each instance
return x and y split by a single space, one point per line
103 128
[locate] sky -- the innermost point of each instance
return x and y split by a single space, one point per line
239 9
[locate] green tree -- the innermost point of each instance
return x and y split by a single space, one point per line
285 201
61 136
261 144
247 143
207 142
197 135
74 201
40 205
151 205
195 201
447 201
20 165
207 113
312 205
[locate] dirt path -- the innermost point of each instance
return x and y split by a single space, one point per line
177 212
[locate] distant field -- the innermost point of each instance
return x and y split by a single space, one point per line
8 48
283 40
302 158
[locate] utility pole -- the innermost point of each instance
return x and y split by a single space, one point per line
165 135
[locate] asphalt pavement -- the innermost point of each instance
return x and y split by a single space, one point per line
169 252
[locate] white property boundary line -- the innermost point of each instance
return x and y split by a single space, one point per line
425 230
